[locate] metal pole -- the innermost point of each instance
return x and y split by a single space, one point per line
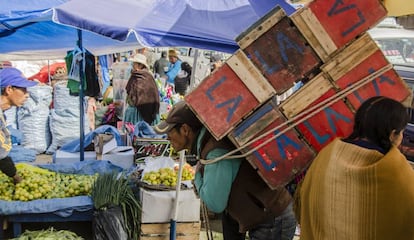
193 72
81 87
173 222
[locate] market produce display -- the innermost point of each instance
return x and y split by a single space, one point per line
38 183
48 234
168 176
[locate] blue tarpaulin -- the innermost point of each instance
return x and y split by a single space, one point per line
201 24
28 32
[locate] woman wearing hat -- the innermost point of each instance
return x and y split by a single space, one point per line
13 88
142 93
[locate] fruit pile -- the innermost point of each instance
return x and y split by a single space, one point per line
38 183
168 176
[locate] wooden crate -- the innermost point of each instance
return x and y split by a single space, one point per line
278 50
282 158
329 25
318 125
161 231
255 123
229 94
358 61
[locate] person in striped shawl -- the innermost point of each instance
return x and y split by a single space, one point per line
361 187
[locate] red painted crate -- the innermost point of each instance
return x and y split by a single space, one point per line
329 25
255 123
231 93
282 158
318 125
278 50
358 61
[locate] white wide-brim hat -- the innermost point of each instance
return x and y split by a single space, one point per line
139 58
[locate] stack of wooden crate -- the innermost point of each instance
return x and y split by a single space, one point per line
324 45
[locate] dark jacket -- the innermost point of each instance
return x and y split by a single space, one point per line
251 201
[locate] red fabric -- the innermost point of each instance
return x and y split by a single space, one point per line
42 75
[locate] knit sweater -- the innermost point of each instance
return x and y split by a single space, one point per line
350 192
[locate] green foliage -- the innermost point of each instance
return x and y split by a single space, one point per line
112 189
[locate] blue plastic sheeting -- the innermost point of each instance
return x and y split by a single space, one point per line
74 146
84 167
63 207
21 154
60 206
212 24
143 130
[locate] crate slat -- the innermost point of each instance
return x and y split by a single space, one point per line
306 95
251 76
351 56
314 33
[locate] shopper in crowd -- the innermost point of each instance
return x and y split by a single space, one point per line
161 65
174 67
13 87
216 61
360 187
142 93
182 81
230 186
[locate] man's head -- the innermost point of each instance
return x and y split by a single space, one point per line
181 126
139 62
164 54
172 55
13 87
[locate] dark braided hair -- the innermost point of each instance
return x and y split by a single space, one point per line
376 118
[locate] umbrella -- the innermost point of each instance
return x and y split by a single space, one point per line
211 25
27 32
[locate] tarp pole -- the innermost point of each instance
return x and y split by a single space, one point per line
81 87
193 72
173 222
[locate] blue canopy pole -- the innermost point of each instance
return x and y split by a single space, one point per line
173 221
81 107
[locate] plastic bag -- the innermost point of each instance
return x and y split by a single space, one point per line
109 224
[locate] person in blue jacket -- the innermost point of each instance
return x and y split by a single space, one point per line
174 67
231 187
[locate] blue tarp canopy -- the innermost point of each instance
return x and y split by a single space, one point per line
201 24
28 32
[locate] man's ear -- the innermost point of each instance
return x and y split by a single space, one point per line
186 129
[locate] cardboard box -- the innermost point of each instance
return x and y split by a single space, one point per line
63 157
157 206
104 143
122 156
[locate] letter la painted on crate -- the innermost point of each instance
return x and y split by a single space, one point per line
282 143
232 104
339 7
284 43
330 116
376 83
